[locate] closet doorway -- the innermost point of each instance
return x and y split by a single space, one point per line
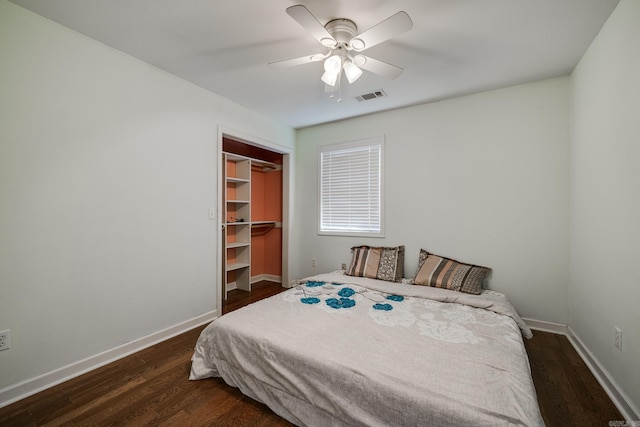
253 234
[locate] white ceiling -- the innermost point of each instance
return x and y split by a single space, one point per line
455 47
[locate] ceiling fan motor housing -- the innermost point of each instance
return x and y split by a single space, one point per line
342 30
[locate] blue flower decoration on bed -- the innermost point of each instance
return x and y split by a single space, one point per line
385 307
340 303
397 298
314 284
310 300
346 292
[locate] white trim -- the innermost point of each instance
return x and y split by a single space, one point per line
221 294
544 326
267 277
619 398
29 387
617 395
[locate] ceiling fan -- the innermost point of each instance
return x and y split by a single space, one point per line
344 44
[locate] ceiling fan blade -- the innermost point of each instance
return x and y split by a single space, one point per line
305 18
390 27
379 67
296 61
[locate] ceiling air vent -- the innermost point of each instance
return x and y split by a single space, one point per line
373 95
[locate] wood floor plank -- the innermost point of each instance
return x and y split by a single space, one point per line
151 387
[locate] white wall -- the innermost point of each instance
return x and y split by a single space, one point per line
107 171
604 289
481 178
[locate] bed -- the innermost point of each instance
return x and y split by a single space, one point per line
342 350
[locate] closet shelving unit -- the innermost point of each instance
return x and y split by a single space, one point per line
237 214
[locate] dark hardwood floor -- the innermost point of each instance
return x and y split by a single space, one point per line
260 290
151 387
568 393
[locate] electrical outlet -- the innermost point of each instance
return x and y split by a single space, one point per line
5 339
343 266
314 262
618 338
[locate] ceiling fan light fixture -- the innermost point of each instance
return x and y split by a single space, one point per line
352 71
330 78
332 69
317 57
333 64
357 44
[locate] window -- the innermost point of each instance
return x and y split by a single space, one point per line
350 194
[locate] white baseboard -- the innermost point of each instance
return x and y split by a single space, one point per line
267 277
619 398
544 326
26 388
255 279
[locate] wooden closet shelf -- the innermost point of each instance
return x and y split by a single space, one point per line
265 166
233 245
256 163
240 223
234 180
262 227
237 266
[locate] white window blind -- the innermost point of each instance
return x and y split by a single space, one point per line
351 188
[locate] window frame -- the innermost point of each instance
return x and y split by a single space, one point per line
364 142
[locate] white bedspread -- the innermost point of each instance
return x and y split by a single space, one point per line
365 352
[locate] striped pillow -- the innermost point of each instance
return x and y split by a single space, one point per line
377 262
441 272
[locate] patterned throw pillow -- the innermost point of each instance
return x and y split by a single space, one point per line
377 262
441 272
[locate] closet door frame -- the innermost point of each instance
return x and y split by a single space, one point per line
287 205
